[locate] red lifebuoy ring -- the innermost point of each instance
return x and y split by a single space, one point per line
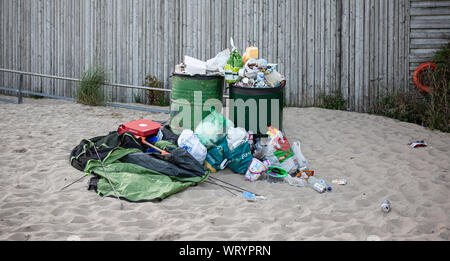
418 72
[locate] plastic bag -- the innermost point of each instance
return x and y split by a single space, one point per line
194 66
239 159
234 63
280 151
302 163
218 63
191 143
274 79
216 158
213 129
236 136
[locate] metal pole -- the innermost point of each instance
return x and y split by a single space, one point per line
19 94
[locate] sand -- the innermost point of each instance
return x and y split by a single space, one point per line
371 152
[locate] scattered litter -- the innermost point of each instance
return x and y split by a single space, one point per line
250 197
305 174
296 182
236 137
418 144
341 182
189 141
279 151
318 185
386 206
314 184
256 169
275 174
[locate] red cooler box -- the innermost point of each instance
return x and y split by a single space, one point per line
143 128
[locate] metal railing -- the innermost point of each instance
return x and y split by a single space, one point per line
20 90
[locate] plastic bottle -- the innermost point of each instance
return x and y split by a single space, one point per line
296 182
260 77
321 181
315 184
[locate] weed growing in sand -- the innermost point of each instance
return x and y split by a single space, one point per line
156 97
429 109
333 101
402 105
90 91
437 114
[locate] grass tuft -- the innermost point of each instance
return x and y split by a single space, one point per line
90 91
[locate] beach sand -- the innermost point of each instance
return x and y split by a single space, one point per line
370 152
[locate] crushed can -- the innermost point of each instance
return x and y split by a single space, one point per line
386 206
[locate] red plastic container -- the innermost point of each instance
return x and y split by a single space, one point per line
142 128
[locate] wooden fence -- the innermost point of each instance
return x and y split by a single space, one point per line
357 47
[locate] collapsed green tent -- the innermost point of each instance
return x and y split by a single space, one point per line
119 161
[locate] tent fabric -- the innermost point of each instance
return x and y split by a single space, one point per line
179 164
136 176
133 182
85 151
168 135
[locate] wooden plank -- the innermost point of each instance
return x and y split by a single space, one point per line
317 58
285 56
345 51
353 58
359 53
305 51
295 65
373 53
310 54
323 31
329 16
2 40
367 62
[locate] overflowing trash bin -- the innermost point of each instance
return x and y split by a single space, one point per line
269 108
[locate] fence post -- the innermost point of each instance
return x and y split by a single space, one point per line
19 95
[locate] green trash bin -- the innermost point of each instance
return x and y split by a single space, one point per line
184 88
269 104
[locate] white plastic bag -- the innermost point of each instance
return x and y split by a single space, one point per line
235 137
194 66
218 63
280 151
192 144
301 160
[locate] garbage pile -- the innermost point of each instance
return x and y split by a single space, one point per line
220 145
144 160
247 71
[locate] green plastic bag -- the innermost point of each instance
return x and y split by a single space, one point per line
216 158
213 129
240 158
234 64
